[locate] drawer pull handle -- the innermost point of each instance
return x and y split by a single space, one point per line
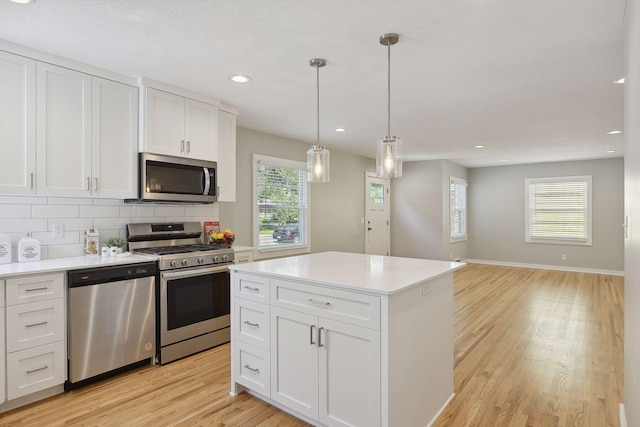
37 324
318 302
252 369
36 289
252 324
251 289
39 369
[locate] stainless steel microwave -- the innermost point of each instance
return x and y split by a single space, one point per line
171 179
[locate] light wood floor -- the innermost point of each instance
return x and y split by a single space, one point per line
532 348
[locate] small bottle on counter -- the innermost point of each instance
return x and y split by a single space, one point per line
5 248
28 249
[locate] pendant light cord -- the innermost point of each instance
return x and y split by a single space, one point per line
389 89
318 105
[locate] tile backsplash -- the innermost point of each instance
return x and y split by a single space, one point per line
20 215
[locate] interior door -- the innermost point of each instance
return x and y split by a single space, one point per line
377 215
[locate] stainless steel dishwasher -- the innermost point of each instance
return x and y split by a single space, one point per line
112 320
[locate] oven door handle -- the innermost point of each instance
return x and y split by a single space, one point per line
189 272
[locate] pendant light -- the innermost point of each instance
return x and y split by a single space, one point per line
389 148
318 155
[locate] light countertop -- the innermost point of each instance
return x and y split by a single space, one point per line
68 263
366 273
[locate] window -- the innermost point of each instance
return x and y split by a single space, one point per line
558 210
281 214
458 209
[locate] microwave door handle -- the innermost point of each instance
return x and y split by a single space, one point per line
207 181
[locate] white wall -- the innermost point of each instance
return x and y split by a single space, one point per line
32 214
497 216
632 210
336 207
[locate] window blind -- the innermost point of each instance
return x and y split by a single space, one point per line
458 209
559 209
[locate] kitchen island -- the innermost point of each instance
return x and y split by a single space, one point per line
345 339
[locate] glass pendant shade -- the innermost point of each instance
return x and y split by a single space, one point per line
389 157
318 164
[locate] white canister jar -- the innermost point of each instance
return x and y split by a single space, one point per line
28 249
5 248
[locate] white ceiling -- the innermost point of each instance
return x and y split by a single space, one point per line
530 80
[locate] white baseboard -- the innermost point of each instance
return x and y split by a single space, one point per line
435 418
546 267
623 416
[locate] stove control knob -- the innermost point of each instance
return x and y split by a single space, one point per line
225 258
201 260
173 263
185 262
216 258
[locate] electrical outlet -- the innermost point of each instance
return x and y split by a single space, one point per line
563 257
58 229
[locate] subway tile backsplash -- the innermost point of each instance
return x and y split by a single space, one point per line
30 214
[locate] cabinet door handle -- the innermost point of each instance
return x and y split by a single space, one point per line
318 302
251 289
38 369
36 324
188 147
31 179
88 183
36 289
252 369
252 324
311 341
182 146
320 337
95 184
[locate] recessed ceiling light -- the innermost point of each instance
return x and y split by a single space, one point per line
619 81
479 146
23 1
614 132
503 160
341 130
610 151
240 78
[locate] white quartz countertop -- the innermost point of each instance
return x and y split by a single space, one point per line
367 273
69 263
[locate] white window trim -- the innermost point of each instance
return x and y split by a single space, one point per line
290 249
559 241
460 238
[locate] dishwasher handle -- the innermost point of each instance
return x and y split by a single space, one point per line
98 275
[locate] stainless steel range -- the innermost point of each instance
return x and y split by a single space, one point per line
193 286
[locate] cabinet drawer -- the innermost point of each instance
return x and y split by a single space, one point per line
35 288
356 309
242 257
35 369
35 324
255 288
252 323
252 367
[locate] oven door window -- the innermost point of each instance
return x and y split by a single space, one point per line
191 300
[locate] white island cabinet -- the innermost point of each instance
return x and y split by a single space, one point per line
343 339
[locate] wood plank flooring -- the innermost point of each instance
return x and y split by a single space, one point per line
532 348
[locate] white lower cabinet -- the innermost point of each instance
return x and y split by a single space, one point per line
35 334
324 369
305 348
2 349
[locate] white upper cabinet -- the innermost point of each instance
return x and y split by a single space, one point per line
64 131
178 126
114 139
86 139
17 124
226 156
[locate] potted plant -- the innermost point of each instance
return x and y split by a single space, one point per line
115 244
